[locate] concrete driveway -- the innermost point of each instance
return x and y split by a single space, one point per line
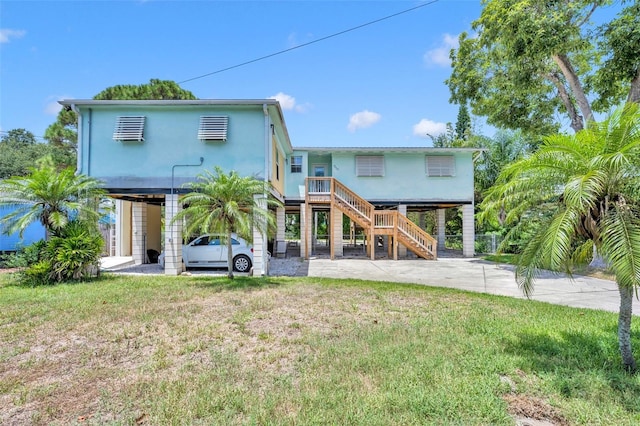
478 276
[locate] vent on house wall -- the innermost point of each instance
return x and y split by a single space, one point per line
129 128
369 165
213 128
441 165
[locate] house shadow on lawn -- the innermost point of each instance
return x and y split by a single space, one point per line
579 364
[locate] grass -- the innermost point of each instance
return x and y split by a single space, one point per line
201 350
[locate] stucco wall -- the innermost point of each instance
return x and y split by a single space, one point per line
405 176
170 139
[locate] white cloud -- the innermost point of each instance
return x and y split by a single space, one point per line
293 40
362 120
440 55
52 106
426 128
288 102
6 34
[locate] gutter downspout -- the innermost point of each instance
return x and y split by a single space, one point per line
89 142
267 177
267 139
79 145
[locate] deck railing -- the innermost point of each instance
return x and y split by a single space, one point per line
330 190
413 232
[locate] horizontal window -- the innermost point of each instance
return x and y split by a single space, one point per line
369 165
441 165
213 128
296 164
129 128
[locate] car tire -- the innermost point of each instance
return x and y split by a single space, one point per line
241 263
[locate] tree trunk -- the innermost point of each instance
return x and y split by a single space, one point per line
598 261
229 255
577 123
576 87
634 91
624 328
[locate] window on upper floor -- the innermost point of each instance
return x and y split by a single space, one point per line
129 128
277 164
213 128
441 165
369 165
296 164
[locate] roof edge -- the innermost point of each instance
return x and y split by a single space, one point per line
90 102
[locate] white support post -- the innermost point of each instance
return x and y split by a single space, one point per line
172 236
336 232
118 226
441 228
303 231
260 242
402 250
139 230
280 232
468 231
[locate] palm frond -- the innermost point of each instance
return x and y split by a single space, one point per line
621 244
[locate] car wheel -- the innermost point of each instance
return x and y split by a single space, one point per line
241 263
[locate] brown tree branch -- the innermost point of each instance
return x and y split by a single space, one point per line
577 123
577 90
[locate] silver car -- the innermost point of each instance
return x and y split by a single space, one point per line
209 251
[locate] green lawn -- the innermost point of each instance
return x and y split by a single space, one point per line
201 350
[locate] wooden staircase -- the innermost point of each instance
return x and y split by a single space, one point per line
327 190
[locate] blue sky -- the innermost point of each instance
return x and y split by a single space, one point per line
380 85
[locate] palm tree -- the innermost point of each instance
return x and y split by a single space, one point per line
49 196
590 184
226 203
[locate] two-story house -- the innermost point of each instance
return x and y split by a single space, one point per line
144 151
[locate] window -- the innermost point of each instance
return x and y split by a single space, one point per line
441 165
296 164
277 165
213 128
369 165
130 128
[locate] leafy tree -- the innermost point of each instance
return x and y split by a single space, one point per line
534 60
64 132
223 204
463 123
505 147
19 150
588 183
155 89
50 196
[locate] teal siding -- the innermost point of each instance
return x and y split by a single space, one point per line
293 181
171 138
405 177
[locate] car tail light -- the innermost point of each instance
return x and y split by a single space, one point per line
251 249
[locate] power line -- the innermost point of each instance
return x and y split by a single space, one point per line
310 42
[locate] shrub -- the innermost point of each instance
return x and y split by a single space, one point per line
74 253
37 274
24 256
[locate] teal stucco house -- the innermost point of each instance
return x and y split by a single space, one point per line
144 151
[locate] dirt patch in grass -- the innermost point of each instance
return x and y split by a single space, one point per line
65 368
532 411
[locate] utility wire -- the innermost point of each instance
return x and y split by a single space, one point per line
310 42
